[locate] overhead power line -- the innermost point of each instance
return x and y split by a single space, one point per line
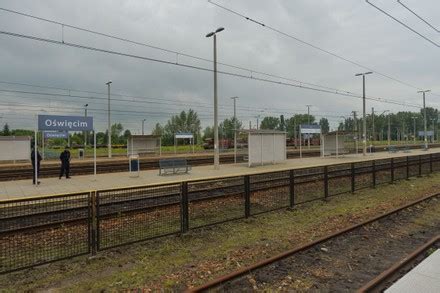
73 45
418 16
403 24
266 26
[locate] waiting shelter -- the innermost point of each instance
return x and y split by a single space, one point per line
336 143
58 123
183 136
266 147
143 144
15 148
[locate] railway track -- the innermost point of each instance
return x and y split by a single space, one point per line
344 260
79 168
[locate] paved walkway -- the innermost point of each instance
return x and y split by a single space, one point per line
425 277
50 186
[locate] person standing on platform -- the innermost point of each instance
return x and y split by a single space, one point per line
37 165
65 163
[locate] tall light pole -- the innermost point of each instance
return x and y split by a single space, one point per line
109 145
355 130
85 132
433 129
424 117
414 127
364 118
308 122
389 127
216 149
235 129
372 120
143 122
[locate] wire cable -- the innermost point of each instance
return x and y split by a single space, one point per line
418 16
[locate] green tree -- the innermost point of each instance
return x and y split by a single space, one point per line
208 133
325 126
282 126
127 134
158 130
269 122
6 131
226 128
184 122
117 129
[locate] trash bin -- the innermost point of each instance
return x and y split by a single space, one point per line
134 165
81 154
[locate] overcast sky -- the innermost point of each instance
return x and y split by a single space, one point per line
352 29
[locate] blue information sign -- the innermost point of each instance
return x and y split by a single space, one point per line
65 123
56 134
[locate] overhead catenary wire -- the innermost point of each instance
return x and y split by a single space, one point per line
299 83
418 16
266 26
74 45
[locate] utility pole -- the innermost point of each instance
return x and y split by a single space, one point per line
364 118
235 129
424 117
355 130
372 117
216 146
414 128
109 145
389 130
85 132
143 121
308 122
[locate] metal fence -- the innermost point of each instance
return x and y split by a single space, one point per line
40 230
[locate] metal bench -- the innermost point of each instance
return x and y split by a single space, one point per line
392 149
173 166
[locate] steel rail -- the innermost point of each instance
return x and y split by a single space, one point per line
389 273
246 270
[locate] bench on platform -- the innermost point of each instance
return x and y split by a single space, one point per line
173 166
392 149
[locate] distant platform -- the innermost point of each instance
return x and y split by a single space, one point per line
425 277
50 186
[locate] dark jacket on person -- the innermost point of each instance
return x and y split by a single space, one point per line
33 158
65 157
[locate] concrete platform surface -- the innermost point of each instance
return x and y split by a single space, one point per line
425 277
50 186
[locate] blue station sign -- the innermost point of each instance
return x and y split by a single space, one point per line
65 123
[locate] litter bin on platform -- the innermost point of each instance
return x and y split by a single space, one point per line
81 154
134 165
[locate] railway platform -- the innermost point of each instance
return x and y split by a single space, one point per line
80 183
425 277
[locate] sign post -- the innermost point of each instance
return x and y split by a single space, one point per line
308 129
62 124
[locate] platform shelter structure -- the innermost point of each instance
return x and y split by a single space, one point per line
15 148
144 144
265 147
66 124
337 143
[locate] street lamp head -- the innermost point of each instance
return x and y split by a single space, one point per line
108 83
364 73
425 91
210 34
219 29
86 105
369 72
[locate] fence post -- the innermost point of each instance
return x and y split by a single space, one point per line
407 167
97 220
430 163
292 188
184 214
352 178
93 223
420 166
373 167
247 196
392 171
325 182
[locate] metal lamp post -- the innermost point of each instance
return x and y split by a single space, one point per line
308 122
364 118
424 118
235 129
85 132
414 128
143 122
109 145
216 149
